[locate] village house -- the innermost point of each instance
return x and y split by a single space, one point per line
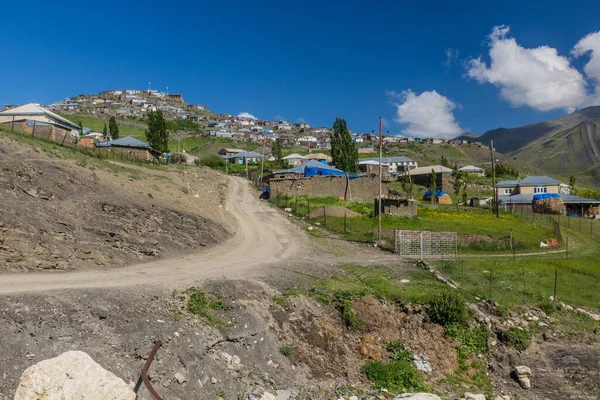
38 121
130 147
471 169
371 167
221 133
294 159
228 152
243 157
518 196
397 164
422 176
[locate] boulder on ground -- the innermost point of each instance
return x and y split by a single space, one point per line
417 396
72 375
523 374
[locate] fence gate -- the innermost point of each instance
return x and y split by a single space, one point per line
426 245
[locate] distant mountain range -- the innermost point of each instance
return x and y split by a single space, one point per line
568 145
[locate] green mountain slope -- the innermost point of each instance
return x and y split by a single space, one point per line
509 141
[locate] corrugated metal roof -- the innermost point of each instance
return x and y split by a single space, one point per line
471 168
507 184
36 109
127 141
528 198
395 159
439 169
538 180
247 154
294 157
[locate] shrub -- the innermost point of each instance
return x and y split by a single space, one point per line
548 306
517 338
398 352
447 308
349 317
396 376
286 350
212 161
199 304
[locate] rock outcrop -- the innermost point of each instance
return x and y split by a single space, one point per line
72 375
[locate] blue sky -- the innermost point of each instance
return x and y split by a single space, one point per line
315 60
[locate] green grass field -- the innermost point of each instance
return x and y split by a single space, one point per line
483 231
204 146
126 128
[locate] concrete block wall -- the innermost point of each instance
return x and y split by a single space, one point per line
317 186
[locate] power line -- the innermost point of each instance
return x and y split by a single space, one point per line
505 110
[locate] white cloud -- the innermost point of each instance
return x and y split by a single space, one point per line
246 115
537 77
427 115
451 57
590 44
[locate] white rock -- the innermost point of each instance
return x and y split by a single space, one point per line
525 383
72 375
471 396
352 398
404 281
180 378
522 370
283 394
310 228
268 396
417 396
213 381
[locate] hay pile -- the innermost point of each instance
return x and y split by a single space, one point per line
593 211
333 211
444 199
548 206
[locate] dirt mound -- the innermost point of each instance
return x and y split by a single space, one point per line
333 211
61 213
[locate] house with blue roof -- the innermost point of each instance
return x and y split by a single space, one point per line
518 196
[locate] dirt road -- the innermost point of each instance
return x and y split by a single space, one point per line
262 238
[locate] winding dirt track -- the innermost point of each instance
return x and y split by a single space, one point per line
262 237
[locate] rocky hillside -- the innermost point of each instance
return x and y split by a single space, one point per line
62 210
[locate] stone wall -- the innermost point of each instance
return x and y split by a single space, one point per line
396 207
444 181
317 186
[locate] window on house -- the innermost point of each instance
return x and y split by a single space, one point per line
507 191
540 189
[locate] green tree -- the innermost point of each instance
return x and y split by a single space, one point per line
433 185
113 128
105 130
343 149
444 161
407 184
157 134
572 182
278 154
457 181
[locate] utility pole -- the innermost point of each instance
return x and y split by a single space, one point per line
246 159
262 167
380 180
495 204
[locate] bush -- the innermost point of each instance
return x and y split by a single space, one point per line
447 308
349 317
212 161
396 376
199 304
286 350
398 352
517 338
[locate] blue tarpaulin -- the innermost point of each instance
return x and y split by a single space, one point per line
544 196
438 193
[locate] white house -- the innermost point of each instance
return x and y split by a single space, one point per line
295 159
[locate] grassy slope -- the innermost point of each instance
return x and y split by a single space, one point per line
126 127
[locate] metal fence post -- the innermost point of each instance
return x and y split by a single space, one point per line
345 223
324 217
308 203
567 252
492 281
591 228
555 282
295 204
421 244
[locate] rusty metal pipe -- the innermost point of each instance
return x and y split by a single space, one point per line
146 367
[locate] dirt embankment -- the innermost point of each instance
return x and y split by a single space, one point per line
62 213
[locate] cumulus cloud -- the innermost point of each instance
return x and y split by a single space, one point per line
246 115
590 44
536 77
426 115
